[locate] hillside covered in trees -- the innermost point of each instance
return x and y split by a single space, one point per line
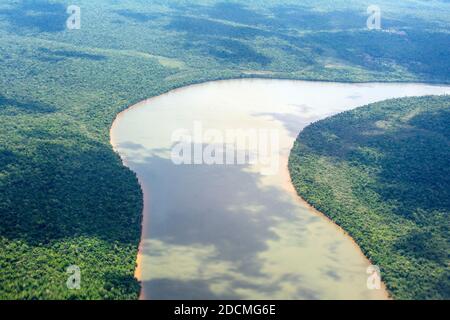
65 196
382 172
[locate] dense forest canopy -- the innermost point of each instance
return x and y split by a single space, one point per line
382 172
65 197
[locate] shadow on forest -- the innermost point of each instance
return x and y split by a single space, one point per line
136 16
6 105
36 15
423 243
60 55
403 45
307 18
237 12
236 51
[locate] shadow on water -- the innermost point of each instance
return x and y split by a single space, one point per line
180 215
237 12
290 121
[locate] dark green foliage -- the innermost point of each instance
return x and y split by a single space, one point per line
382 172
383 51
66 198
302 18
236 51
58 55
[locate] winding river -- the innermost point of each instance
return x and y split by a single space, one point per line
239 231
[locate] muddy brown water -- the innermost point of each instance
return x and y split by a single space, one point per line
228 231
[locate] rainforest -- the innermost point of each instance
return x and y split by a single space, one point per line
68 198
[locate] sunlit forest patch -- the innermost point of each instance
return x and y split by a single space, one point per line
65 196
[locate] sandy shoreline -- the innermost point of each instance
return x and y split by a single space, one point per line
145 192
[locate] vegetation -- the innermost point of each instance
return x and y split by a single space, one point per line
65 197
382 172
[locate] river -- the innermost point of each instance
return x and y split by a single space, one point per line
238 230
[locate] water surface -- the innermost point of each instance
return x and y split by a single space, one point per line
229 231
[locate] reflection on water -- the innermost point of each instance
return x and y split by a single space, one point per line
227 231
